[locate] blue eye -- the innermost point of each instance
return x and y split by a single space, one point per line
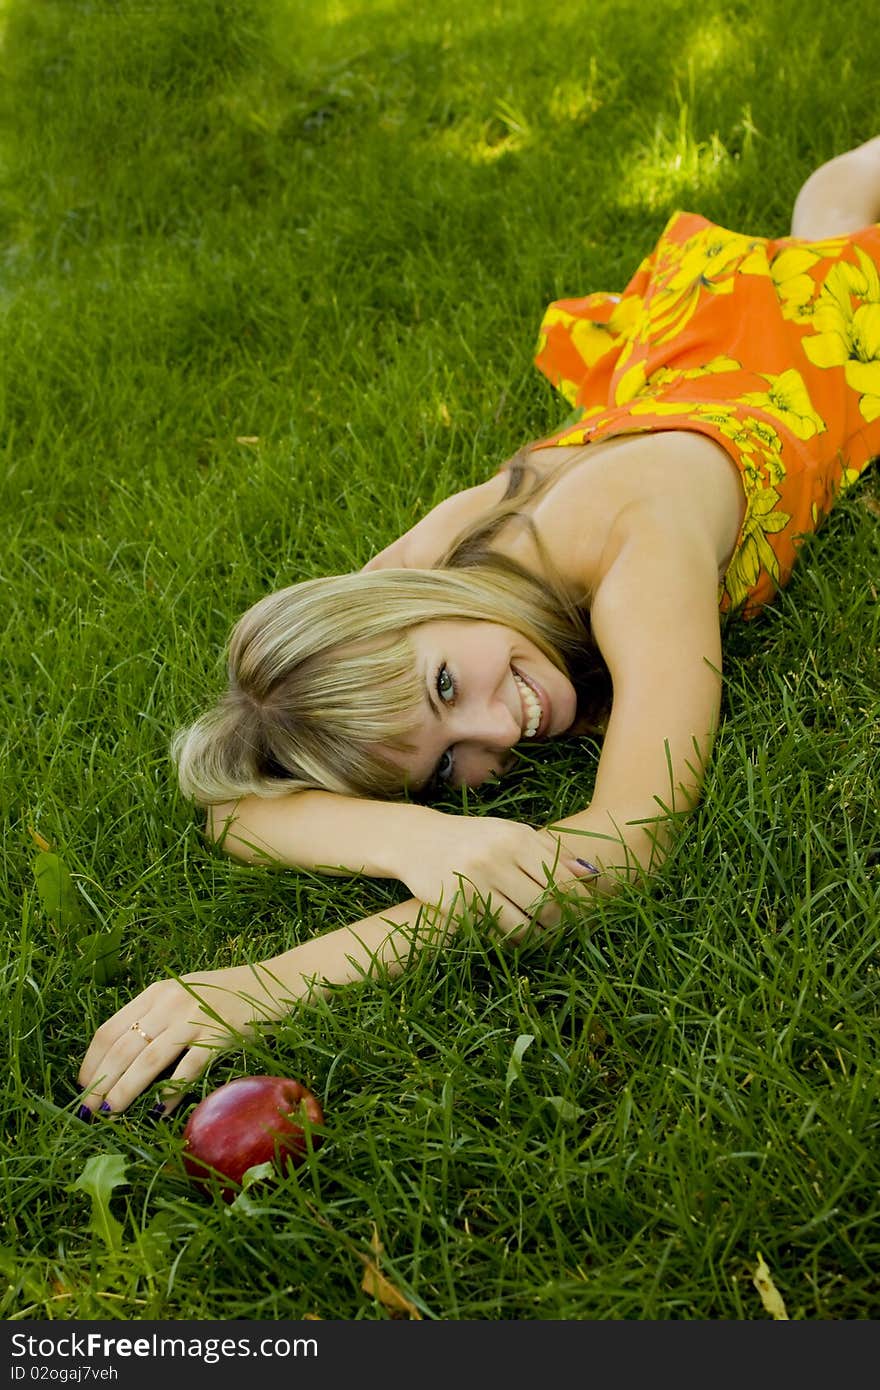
447 689
445 768
445 684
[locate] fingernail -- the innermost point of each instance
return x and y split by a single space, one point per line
156 1111
85 1113
105 1108
590 868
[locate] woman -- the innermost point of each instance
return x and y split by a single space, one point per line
721 403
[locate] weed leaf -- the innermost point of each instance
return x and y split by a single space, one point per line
58 892
101 1174
514 1066
100 959
566 1109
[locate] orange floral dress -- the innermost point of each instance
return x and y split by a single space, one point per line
769 347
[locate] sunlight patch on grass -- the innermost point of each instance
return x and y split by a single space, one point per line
675 166
713 44
574 100
343 11
507 131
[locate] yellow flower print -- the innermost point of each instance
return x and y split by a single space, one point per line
668 376
788 270
760 450
748 434
796 289
718 364
755 552
761 470
710 257
757 443
863 280
758 434
580 431
831 246
634 382
648 406
591 338
789 400
707 261
848 335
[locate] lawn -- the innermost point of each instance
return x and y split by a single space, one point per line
270 284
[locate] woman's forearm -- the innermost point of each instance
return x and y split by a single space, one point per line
183 1021
321 831
621 850
385 942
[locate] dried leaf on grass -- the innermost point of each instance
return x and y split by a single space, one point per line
770 1295
40 841
377 1286
870 503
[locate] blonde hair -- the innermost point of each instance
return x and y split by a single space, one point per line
322 672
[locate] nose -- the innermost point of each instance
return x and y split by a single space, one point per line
490 724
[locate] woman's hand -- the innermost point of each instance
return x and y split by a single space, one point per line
502 866
191 1019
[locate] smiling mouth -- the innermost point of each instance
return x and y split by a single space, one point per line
534 714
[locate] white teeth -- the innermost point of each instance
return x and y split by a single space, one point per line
531 706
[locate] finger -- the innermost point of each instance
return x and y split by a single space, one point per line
565 860
108 1069
565 866
509 890
128 1069
546 915
519 934
110 1033
507 920
188 1070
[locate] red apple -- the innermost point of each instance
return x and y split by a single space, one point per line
254 1119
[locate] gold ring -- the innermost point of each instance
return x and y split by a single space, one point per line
136 1028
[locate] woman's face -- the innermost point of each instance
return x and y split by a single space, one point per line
485 688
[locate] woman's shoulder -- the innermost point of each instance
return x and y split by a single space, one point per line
618 482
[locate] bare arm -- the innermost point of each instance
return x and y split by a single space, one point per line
317 830
441 857
190 1019
840 196
655 617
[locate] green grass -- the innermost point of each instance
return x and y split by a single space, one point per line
332 227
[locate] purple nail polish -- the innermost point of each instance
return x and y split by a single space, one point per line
105 1108
591 868
85 1114
156 1111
